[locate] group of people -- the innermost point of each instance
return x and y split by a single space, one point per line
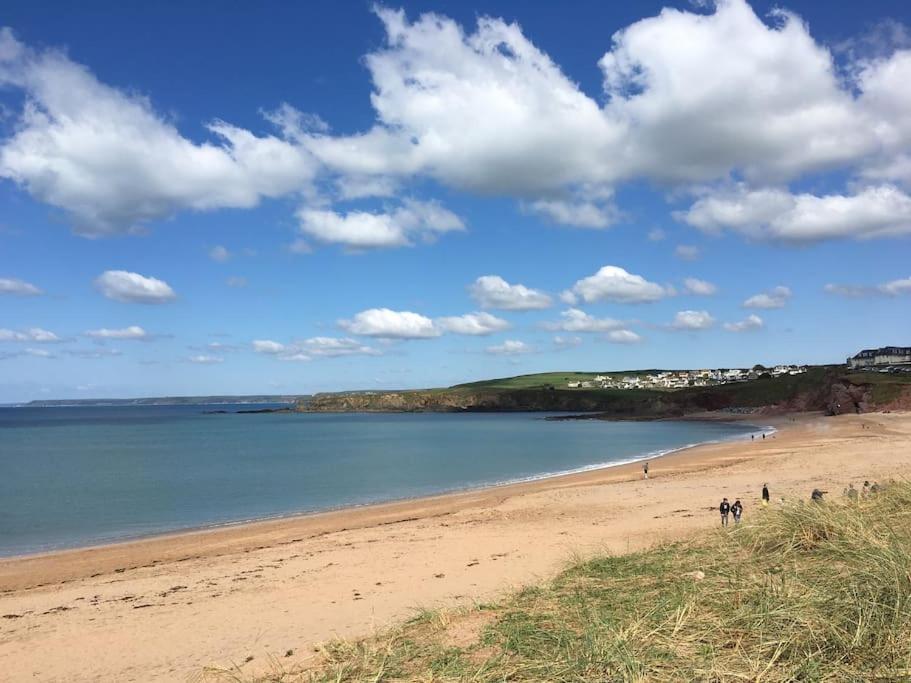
735 510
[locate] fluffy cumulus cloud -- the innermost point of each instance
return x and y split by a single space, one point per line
892 288
580 214
109 160
511 347
692 320
776 297
484 109
488 110
133 332
127 287
388 324
623 337
575 320
401 227
18 287
476 324
314 347
699 287
492 291
612 283
778 215
33 334
750 323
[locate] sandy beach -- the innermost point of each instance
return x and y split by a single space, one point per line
164 609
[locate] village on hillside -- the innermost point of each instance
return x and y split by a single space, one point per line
681 379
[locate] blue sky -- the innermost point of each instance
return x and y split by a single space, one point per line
304 197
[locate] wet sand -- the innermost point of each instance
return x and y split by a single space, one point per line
163 609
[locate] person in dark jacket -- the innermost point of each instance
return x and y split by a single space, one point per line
725 509
737 510
765 495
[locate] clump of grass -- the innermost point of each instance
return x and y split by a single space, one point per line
806 592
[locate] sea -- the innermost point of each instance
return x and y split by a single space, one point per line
79 476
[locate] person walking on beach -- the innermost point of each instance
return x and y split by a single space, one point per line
645 469
725 509
737 510
765 495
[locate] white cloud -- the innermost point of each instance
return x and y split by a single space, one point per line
489 111
896 287
94 354
686 252
567 342
510 347
751 322
219 253
33 334
623 337
414 220
203 359
774 298
18 287
113 163
478 324
612 283
580 214
892 288
328 347
268 346
778 215
692 320
389 324
699 287
39 353
656 235
236 281
360 187
333 347
122 285
492 291
574 320
134 332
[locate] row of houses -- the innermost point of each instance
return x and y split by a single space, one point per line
883 358
680 379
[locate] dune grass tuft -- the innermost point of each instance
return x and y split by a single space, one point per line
804 592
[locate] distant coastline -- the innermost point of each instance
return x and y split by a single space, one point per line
255 399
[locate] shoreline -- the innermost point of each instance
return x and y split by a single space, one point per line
305 514
224 537
240 599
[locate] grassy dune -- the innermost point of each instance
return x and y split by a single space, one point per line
801 592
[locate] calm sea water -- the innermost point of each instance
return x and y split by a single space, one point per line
78 476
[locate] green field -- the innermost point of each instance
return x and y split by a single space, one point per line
558 380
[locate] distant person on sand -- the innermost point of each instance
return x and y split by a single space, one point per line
765 495
737 510
645 469
725 509
865 491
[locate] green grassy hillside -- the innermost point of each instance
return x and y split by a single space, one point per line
806 592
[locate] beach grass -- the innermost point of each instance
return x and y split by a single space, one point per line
801 592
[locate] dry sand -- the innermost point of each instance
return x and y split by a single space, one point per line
163 609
